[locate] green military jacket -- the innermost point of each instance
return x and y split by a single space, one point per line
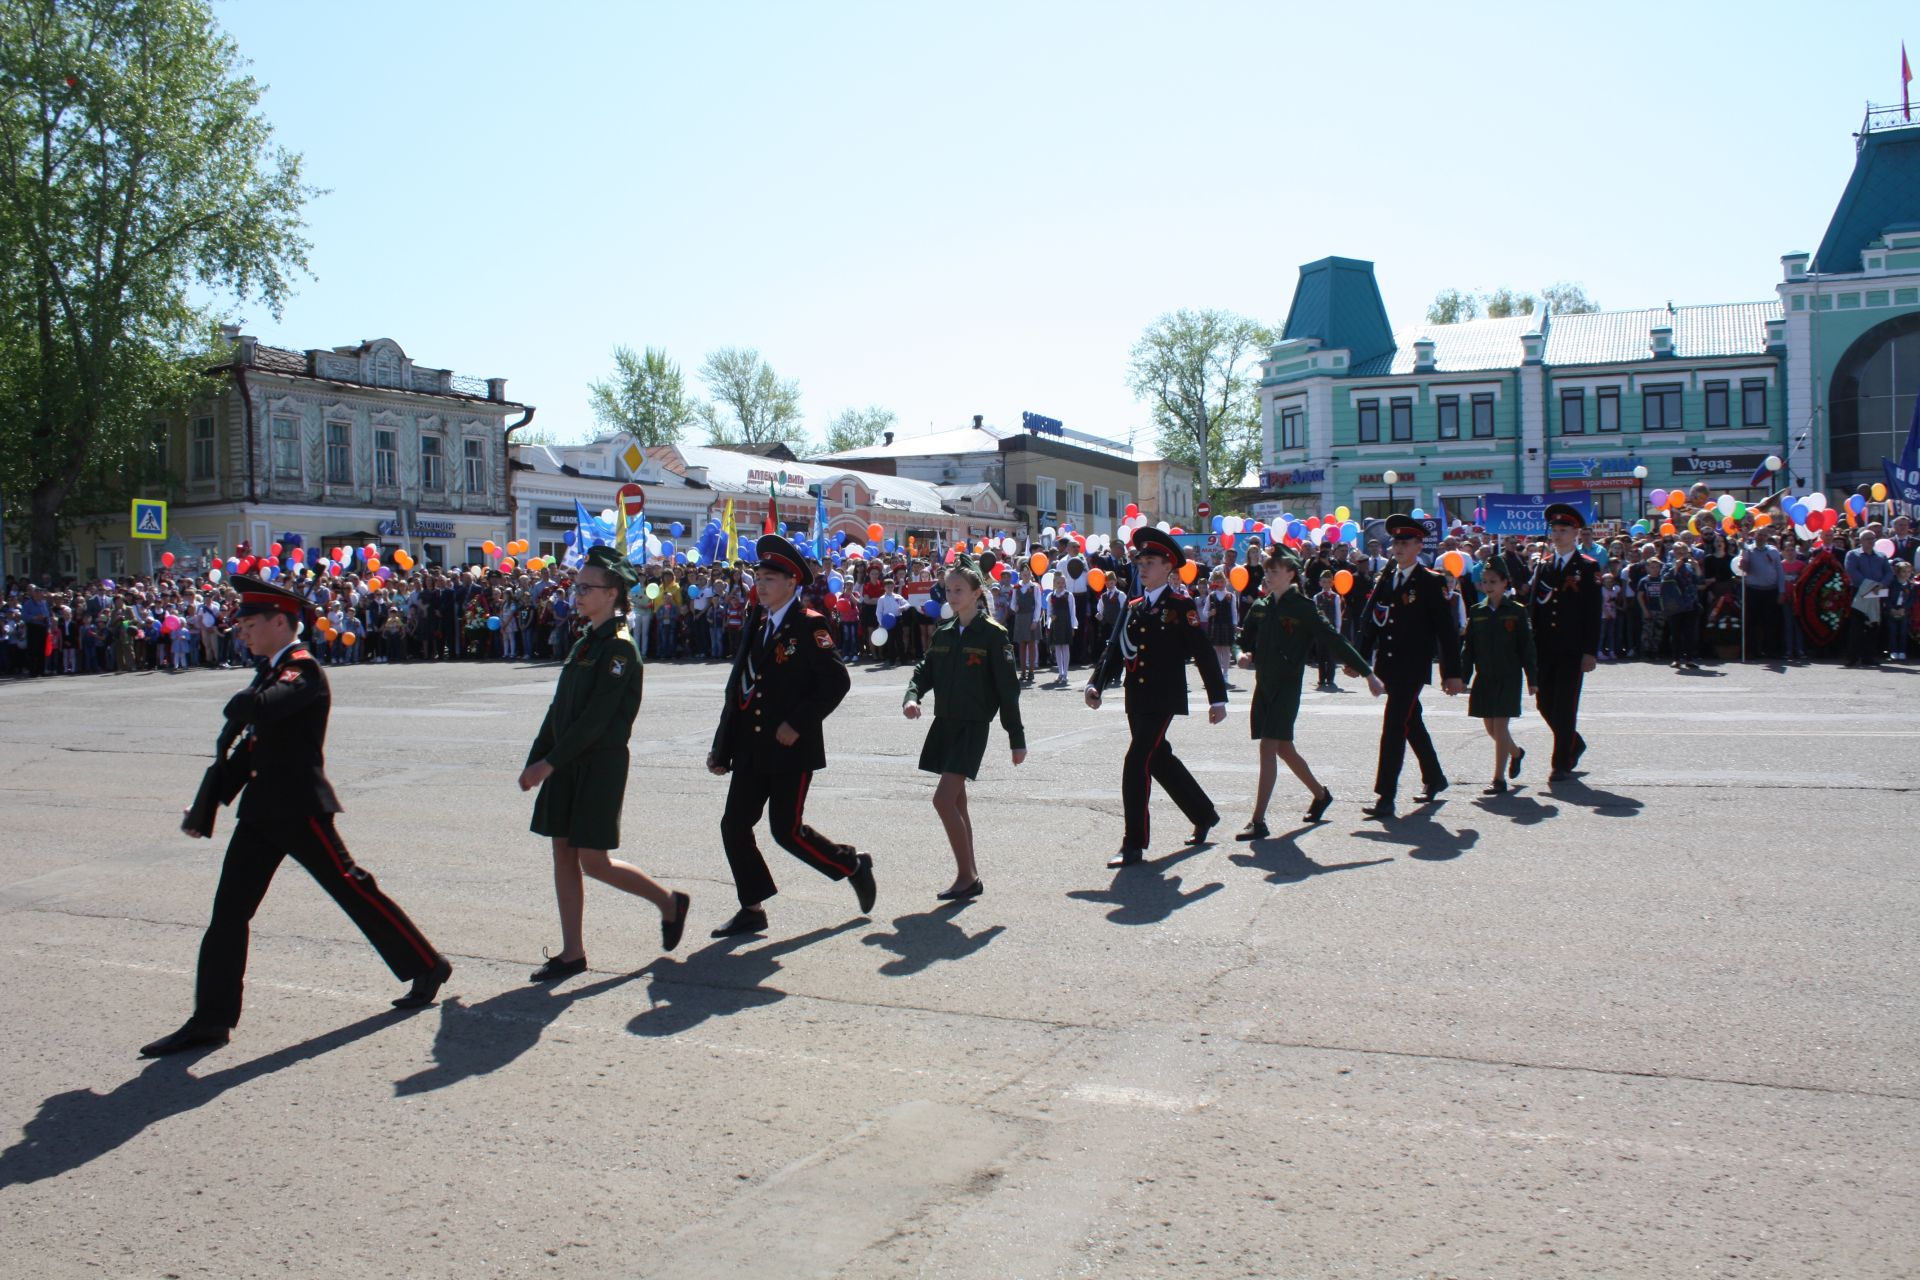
972 674
1279 631
598 697
1498 648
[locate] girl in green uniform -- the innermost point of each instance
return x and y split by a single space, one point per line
1275 641
970 667
1496 652
579 762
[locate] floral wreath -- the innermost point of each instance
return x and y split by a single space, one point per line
1821 599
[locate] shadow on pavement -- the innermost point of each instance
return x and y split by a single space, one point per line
718 980
75 1128
1521 810
477 1039
921 940
1424 837
1144 894
1605 804
1281 859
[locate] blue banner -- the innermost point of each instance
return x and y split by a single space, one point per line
1903 478
1526 513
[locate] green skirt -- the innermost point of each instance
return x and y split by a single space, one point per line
1276 703
955 746
1494 697
580 802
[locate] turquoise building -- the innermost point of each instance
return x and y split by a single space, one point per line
1823 375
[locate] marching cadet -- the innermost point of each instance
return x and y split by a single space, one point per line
579 762
286 807
1409 622
970 668
1497 651
1279 634
1565 599
1159 632
787 678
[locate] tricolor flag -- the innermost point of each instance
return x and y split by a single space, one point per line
773 509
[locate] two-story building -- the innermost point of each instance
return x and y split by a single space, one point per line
341 447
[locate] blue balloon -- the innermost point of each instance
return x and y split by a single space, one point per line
931 608
666 548
1418 514
887 545
1797 511
1219 524
679 557
693 590
748 551
493 624
835 583
888 622
1350 533
676 528
781 529
233 566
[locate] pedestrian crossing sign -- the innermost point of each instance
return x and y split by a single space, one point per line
149 518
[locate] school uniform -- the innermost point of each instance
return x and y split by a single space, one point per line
584 737
1495 655
973 677
1282 632
1407 626
1565 603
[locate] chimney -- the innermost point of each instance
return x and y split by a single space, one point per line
1661 341
978 420
496 387
1423 355
886 438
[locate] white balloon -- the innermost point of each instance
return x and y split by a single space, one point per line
1046 580
607 515
1234 524
653 545
1009 546
1816 502
1806 534
693 557
946 610
1126 534
1164 527
1725 504
879 637
1048 533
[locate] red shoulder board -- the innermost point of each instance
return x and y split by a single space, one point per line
299 655
812 613
823 638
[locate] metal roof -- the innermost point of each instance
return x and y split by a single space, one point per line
1457 348
1338 302
1883 192
1623 337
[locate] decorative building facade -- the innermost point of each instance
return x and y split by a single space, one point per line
1615 402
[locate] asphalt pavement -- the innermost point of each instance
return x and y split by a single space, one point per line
1660 1021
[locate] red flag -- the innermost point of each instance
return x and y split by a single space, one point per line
1906 78
773 510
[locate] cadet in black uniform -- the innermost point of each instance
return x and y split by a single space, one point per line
1565 597
1408 623
286 807
1159 632
579 762
970 669
787 679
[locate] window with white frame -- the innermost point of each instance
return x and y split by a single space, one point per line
200 450
1044 493
286 448
433 477
1121 501
386 459
476 460
1076 499
340 453
1101 511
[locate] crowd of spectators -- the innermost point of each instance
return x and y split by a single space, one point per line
1679 599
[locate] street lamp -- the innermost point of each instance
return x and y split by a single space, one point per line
1639 491
1392 478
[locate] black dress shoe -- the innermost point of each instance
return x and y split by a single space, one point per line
1513 765
670 930
864 889
1432 793
1381 808
426 987
1201 828
192 1036
743 921
1318 809
973 890
1499 788
1560 775
555 969
1255 830
1127 857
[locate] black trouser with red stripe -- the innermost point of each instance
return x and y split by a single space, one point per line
784 797
1150 760
1559 701
253 855
1402 726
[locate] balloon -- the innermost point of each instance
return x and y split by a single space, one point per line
1761 519
1885 547
875 533
1657 499
1879 492
1133 509
298 554
506 565
166 561
171 625
274 550
1816 502
653 591
1343 581
1418 513
1739 509
1676 500
1313 522
931 608
1239 577
691 557
1009 546
1730 525
836 583
489 548
1236 524
213 575
493 624
383 573
1350 533
349 639
676 528
1666 528
1857 504
1342 514
1038 563
1226 542
1724 504
1096 579
1640 528
1454 563
1188 572
879 637
373 563
998 571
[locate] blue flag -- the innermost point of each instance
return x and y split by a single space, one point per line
1903 479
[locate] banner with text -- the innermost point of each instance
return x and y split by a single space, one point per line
1526 513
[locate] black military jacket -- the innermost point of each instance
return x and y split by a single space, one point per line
1402 632
798 680
1151 647
1566 606
282 754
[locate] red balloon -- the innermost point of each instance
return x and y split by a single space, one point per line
1313 522
246 565
276 549
1226 541
1176 530
166 560
1133 509
298 555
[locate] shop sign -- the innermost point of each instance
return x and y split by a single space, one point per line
1299 475
1718 464
421 528
554 518
1379 477
1484 473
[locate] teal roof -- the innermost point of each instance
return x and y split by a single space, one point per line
1457 348
1622 337
1883 191
1338 302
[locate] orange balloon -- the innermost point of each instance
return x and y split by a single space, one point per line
1343 581
1730 525
506 566
489 547
875 533
1038 564
1454 563
1676 499
1666 529
536 564
1188 572
1761 519
1238 577
348 639
1097 579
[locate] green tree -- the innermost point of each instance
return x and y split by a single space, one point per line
646 397
1451 306
1504 303
1566 299
1196 370
751 404
858 428
134 169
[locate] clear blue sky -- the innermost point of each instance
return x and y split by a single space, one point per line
976 209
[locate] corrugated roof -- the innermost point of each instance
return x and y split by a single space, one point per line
1457 348
1883 191
967 439
1623 337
